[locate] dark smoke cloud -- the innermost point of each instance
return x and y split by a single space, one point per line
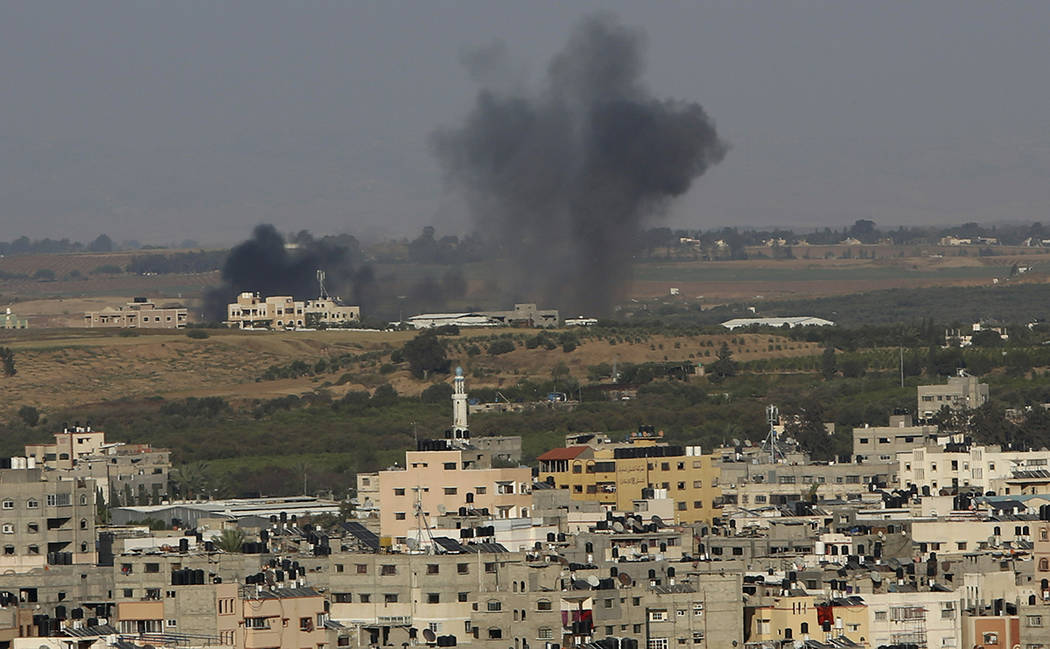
567 174
265 265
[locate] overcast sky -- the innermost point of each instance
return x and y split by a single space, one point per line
170 120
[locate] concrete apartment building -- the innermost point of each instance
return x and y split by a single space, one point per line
615 475
282 312
959 393
882 443
746 484
45 519
124 473
140 313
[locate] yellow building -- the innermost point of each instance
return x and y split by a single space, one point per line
615 476
789 617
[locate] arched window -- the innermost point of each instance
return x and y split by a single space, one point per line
804 628
522 615
996 531
1044 534
33 503
543 605
83 499
8 503
494 605
470 497
1044 565
83 523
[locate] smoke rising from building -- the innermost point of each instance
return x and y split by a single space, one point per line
566 174
264 264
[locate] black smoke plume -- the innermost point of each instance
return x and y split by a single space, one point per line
566 175
265 265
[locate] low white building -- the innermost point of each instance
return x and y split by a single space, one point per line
251 311
791 322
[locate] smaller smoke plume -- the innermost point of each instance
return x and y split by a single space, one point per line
263 264
565 176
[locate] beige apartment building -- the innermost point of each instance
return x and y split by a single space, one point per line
124 473
434 482
251 311
140 313
228 615
45 518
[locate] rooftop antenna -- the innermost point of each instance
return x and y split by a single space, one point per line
772 441
320 282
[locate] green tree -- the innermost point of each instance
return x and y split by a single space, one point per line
7 358
102 243
385 395
230 540
853 367
501 346
44 275
437 393
828 366
425 355
30 415
724 367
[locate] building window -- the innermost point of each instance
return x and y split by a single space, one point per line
173 623
657 643
1034 620
399 492
450 491
991 638
152 567
495 633
7 528
390 598
433 598
33 503
433 569
462 596
463 568
256 623
8 503
399 516
657 616
362 568
34 549
494 606
490 567
365 598
545 633
388 569
543 605
450 466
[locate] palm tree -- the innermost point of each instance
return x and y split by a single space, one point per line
231 540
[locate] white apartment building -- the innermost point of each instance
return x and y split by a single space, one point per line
926 619
980 467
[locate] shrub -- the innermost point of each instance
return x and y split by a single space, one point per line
197 334
501 346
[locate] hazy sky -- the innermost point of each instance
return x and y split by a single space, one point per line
169 120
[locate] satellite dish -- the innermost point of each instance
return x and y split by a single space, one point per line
429 635
875 576
441 510
594 581
618 527
656 519
625 579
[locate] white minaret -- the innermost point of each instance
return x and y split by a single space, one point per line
459 407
